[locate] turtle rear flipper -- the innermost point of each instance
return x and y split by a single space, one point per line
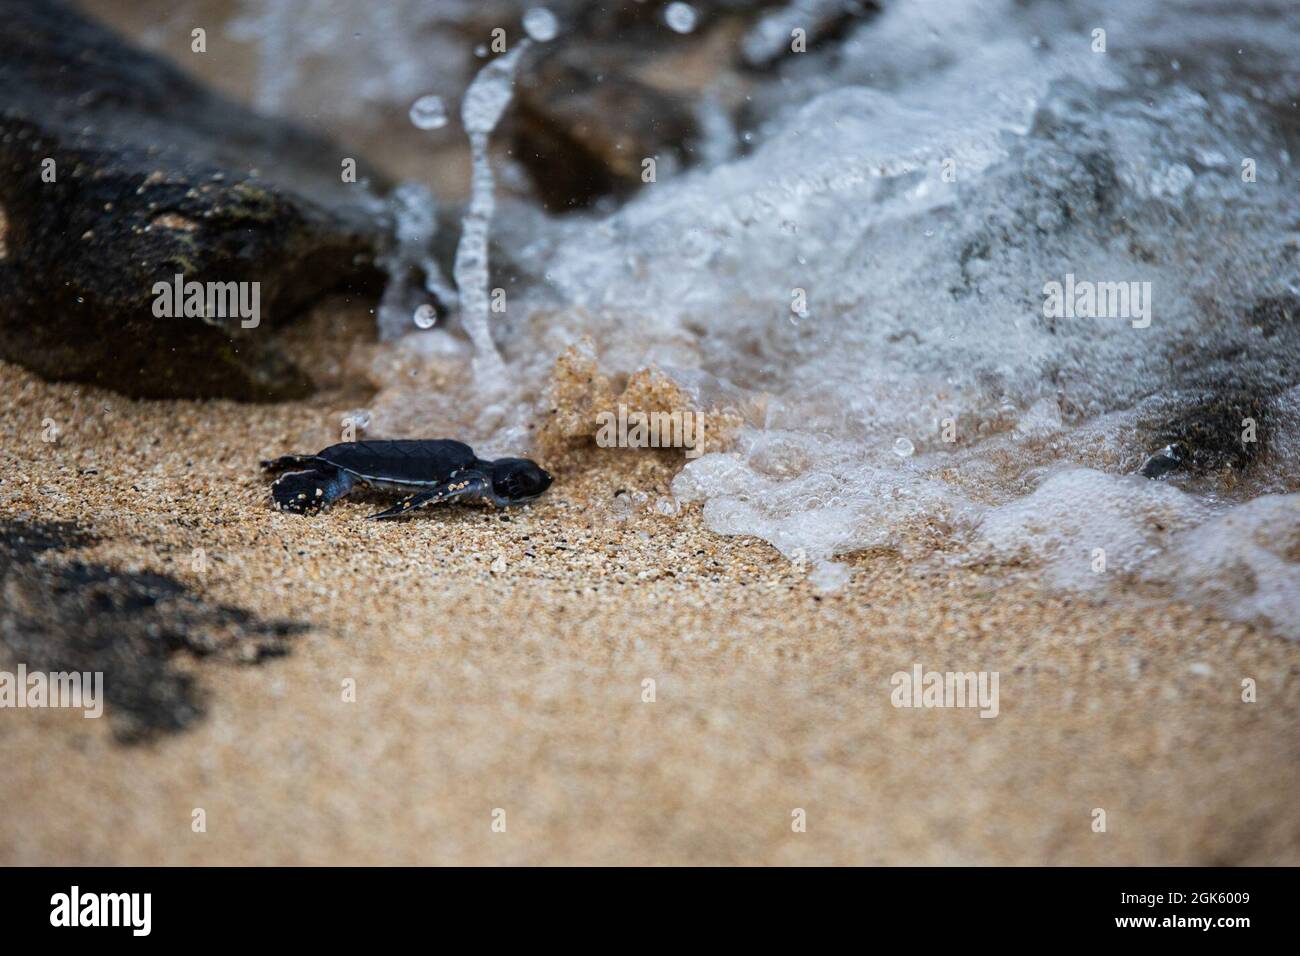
303 492
465 486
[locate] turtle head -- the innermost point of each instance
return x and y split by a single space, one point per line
516 480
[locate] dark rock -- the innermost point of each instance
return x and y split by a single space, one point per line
582 131
1206 437
1170 458
1223 392
1276 315
90 618
156 176
1220 387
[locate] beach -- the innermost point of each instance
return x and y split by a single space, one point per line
499 662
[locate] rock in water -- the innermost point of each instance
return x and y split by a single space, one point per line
583 132
118 172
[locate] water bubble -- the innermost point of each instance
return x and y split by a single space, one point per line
428 112
540 24
680 17
425 316
621 507
903 448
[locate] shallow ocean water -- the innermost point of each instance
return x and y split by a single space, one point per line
859 267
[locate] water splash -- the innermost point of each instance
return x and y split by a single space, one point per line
414 214
485 101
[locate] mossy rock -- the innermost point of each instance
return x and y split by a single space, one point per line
153 175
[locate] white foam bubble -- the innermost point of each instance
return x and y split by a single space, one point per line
1085 526
1244 563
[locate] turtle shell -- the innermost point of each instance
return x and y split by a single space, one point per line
401 461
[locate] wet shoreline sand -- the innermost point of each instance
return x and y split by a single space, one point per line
521 688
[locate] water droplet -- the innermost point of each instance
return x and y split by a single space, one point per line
903 448
680 17
428 112
621 507
667 506
540 24
425 316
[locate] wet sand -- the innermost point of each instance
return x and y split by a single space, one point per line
520 686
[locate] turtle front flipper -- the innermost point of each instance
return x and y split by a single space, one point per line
303 492
464 487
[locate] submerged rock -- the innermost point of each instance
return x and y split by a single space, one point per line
584 132
118 172
1168 459
1222 433
1223 421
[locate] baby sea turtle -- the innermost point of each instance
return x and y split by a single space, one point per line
434 471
